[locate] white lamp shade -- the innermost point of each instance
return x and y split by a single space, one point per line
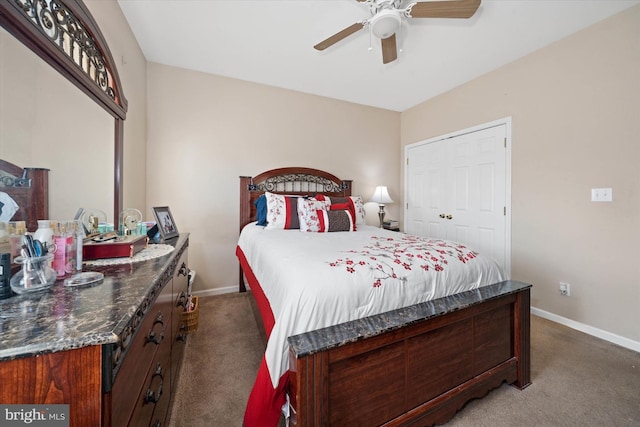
381 195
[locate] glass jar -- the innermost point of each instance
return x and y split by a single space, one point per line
35 274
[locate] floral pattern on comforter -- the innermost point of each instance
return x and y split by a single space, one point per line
391 258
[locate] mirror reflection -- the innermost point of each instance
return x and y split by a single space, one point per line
45 121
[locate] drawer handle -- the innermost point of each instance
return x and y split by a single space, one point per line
183 270
159 319
182 300
157 424
151 337
181 337
150 396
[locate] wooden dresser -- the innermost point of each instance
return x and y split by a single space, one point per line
112 352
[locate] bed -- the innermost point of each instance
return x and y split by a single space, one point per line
29 189
378 327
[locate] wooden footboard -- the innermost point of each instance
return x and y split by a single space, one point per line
414 366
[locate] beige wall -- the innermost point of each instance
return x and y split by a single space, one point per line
205 131
132 67
575 107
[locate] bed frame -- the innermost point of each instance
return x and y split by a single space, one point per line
29 187
418 372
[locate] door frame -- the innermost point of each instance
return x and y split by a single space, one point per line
506 121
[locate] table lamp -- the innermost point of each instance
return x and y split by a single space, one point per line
381 196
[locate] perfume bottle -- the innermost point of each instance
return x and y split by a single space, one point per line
61 242
17 230
76 247
44 233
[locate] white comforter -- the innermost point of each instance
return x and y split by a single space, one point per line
314 280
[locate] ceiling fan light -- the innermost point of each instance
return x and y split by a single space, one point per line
385 23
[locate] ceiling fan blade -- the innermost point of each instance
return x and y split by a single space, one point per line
339 36
444 9
389 50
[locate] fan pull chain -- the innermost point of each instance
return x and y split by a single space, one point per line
370 46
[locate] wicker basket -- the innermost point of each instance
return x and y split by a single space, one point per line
190 318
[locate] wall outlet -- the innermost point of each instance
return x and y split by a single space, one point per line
565 289
601 194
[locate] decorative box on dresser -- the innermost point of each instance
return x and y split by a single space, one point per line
112 352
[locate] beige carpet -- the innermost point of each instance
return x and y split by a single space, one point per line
577 380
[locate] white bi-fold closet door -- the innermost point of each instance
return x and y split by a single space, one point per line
458 188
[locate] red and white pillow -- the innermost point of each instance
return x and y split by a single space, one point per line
319 214
308 209
282 212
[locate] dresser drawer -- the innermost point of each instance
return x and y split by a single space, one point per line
154 399
152 333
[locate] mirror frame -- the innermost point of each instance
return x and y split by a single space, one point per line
16 19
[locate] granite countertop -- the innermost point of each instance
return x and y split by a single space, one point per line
334 336
64 318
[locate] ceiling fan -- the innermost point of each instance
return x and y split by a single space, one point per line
387 17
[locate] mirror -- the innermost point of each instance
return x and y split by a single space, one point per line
47 123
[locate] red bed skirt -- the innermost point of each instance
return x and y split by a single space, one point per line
265 402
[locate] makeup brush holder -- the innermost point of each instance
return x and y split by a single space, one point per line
35 274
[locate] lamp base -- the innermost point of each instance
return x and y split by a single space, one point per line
381 215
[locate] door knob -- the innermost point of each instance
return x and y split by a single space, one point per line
449 216
442 216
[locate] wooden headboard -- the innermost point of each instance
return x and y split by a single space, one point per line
292 180
29 187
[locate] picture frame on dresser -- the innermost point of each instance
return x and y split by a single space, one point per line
166 225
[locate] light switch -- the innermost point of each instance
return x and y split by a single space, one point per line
601 194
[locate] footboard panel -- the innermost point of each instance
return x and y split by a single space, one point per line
417 373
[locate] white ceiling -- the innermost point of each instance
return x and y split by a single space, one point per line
271 42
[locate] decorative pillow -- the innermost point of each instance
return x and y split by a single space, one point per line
282 212
359 208
336 220
343 203
261 209
308 209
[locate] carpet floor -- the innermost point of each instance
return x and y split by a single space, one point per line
577 380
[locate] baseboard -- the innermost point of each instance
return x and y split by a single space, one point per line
598 333
216 291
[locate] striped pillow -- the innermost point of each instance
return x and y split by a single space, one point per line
282 212
317 215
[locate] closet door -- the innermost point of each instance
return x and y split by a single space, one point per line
457 190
